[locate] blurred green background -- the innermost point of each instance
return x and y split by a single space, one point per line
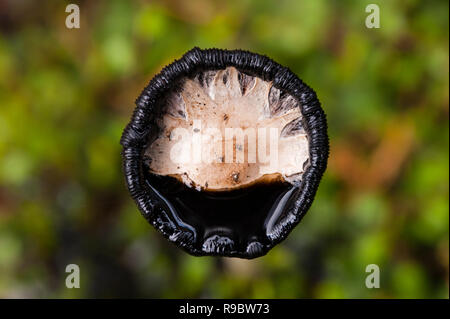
67 94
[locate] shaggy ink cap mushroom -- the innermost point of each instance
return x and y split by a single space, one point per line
225 151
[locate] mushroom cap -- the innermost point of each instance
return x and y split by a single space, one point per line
182 202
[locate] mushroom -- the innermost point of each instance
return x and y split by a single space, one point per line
224 152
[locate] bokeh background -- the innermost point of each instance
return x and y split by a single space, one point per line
66 96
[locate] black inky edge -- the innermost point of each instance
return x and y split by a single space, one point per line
135 137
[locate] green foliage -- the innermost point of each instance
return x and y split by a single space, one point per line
67 94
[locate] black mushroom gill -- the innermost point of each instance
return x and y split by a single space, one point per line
224 152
